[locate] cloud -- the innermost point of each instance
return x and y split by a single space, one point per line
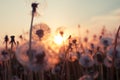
111 20
116 13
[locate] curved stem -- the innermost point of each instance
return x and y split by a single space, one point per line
114 53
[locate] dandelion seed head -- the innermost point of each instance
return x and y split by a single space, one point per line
106 41
4 55
99 58
40 31
86 60
39 56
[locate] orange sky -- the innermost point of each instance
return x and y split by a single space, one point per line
16 15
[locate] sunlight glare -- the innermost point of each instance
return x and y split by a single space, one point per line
58 39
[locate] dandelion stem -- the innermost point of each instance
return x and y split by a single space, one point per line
107 74
114 53
117 34
101 69
34 6
117 74
6 46
30 37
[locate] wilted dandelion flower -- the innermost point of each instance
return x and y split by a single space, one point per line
12 39
39 61
86 60
40 31
6 39
34 6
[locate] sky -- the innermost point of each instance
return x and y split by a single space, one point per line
15 15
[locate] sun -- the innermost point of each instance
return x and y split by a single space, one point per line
58 39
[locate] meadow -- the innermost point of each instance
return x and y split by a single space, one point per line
46 55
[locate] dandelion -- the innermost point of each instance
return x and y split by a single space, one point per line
12 42
6 39
106 41
34 6
61 30
86 39
41 31
98 57
4 55
118 51
111 51
39 60
103 31
86 60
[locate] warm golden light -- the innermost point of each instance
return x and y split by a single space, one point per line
58 39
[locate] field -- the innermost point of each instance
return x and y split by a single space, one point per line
71 58
60 55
